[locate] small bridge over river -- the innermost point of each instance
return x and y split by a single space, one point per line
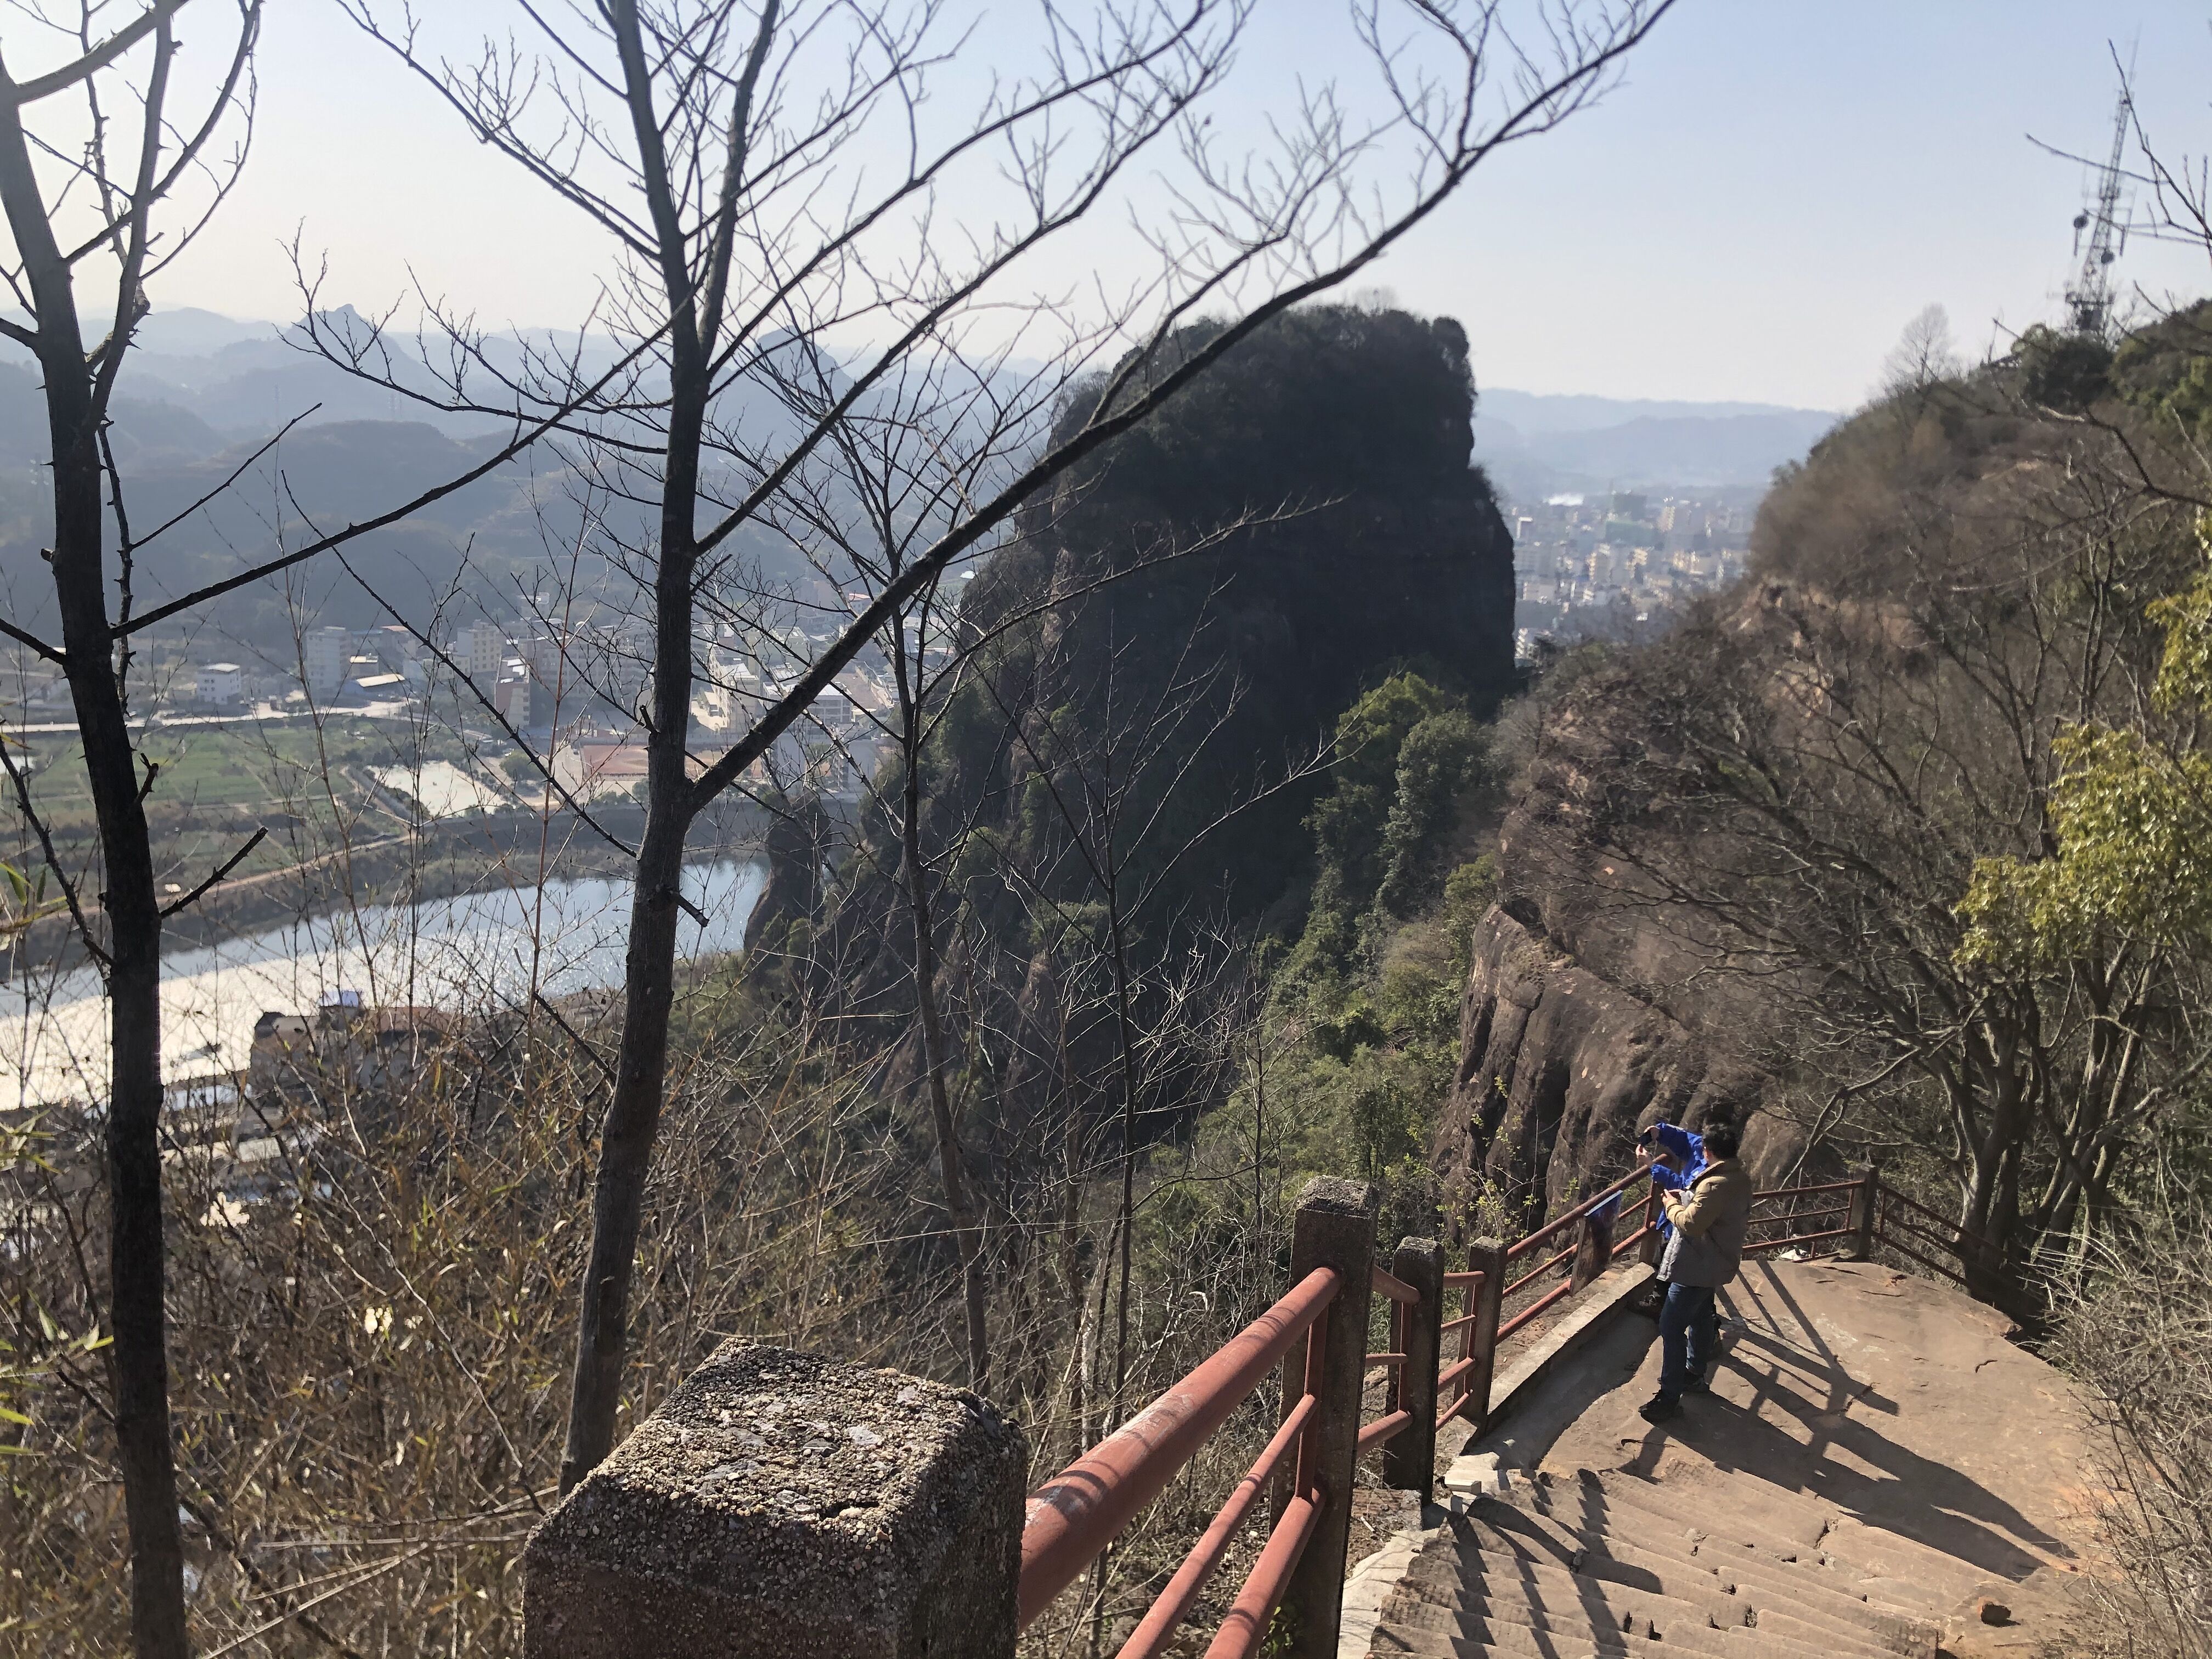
1876 1471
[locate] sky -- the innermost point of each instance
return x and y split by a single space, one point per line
1774 190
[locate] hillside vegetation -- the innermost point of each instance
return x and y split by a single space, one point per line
1909 827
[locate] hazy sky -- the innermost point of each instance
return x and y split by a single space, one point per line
1776 190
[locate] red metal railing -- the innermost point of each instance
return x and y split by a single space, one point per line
1896 1218
1075 1515
1523 1246
1457 1377
1599 1220
1404 1301
1804 1224
1074 1518
1868 1214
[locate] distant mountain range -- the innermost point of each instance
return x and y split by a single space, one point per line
200 390
1535 445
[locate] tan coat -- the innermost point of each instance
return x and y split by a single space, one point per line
1710 1222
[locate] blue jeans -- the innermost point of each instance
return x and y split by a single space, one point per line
1689 1331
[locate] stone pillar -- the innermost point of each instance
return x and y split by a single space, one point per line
781 1506
1593 1245
1409 1459
1334 1227
1866 1204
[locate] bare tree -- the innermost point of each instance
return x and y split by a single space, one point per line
108 208
1841 746
731 153
887 484
88 189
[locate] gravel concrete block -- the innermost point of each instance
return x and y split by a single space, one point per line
781 1506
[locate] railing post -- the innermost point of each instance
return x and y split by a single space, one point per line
1593 1245
1334 1227
1654 1246
1409 1458
1488 1257
1866 1204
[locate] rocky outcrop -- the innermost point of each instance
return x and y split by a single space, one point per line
1559 1068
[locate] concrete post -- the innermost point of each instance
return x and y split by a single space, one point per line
1488 1257
780 1505
1866 1204
1409 1460
1334 1227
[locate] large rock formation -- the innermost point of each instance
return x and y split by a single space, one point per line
1558 1069
1297 526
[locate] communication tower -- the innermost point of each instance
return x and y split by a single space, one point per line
2100 237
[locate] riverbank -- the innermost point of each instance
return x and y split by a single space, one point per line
488 947
444 859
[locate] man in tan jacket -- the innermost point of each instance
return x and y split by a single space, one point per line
1711 1218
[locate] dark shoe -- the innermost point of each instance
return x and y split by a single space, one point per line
1659 1408
1697 1385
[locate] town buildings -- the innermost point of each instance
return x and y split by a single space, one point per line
1603 565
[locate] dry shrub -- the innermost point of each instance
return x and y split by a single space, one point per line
372 1331
2136 1333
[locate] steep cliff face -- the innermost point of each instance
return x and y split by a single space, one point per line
1596 1003
1559 1068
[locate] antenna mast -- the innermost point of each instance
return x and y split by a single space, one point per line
2089 300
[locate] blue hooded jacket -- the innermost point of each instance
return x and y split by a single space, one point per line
1686 1145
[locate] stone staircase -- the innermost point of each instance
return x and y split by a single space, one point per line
1877 1472
1596 1564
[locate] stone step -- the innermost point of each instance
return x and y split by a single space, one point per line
1569 1507
1865 1550
1878 1556
1843 1536
1655 1626
1467 1574
1525 1642
1516 1640
1754 1509
1808 1592
1792 1570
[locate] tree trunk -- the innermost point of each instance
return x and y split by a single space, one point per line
966 1235
139 1362
633 1119
626 1139
1126 1220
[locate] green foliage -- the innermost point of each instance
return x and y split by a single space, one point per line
2166 370
1411 758
1441 760
2063 372
1361 1029
1353 826
2130 814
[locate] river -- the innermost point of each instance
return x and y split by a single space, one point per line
475 953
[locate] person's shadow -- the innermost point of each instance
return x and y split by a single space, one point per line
1791 1369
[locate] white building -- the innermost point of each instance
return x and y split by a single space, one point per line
328 653
481 651
222 682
